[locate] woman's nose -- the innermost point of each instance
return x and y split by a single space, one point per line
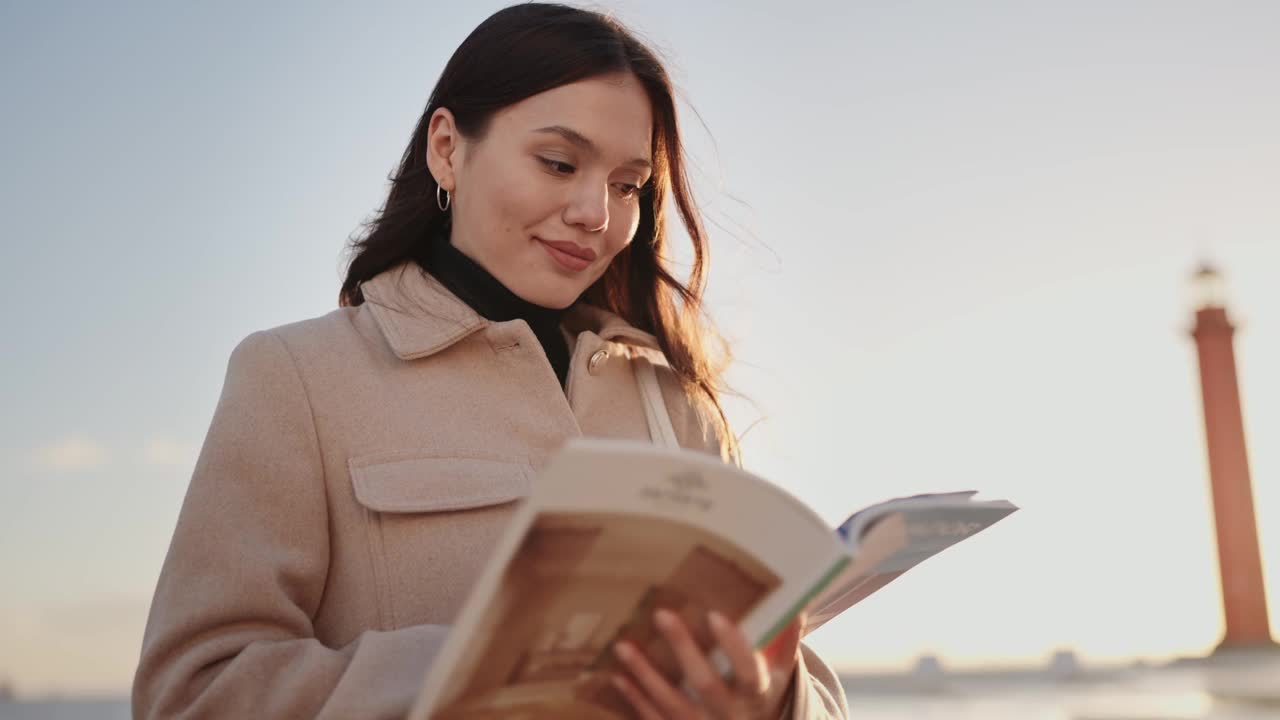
588 208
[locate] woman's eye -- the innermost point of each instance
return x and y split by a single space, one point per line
557 166
627 190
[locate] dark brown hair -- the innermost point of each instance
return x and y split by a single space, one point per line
519 52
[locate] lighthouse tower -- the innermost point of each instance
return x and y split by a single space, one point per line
1244 600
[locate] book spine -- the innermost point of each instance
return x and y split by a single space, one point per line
803 601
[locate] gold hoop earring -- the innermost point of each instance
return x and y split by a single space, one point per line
442 203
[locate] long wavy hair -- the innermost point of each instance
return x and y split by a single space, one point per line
519 52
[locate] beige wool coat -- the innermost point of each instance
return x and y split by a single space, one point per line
358 468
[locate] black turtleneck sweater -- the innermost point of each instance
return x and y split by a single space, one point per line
492 300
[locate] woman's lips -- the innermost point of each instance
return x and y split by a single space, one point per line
569 255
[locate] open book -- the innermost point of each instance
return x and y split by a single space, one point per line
614 530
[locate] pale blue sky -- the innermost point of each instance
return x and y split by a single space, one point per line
955 239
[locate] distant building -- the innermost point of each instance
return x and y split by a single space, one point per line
1064 665
928 667
928 675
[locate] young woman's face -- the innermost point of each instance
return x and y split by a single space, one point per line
549 195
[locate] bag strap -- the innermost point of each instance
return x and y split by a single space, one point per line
655 408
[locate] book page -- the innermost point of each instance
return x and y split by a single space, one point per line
613 531
890 538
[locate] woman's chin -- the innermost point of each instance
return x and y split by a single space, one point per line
554 294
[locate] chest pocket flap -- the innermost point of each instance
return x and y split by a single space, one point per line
425 481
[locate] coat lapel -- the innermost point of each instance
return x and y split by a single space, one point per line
420 317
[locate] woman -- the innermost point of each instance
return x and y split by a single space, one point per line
360 465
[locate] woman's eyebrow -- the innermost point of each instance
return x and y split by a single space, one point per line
582 141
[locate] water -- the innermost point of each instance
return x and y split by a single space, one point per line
1166 694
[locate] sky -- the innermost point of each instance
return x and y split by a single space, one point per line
951 245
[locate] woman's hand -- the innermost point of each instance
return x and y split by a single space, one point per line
761 679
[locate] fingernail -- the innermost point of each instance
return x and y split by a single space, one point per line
665 619
719 622
617 681
623 651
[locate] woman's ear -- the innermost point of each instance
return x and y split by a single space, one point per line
443 142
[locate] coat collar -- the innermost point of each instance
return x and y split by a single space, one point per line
419 317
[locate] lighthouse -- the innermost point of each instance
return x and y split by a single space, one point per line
1244 600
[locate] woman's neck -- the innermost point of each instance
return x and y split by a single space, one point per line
484 293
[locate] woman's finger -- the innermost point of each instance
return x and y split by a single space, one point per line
669 700
633 694
698 672
750 675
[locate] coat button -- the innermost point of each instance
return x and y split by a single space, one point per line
597 359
